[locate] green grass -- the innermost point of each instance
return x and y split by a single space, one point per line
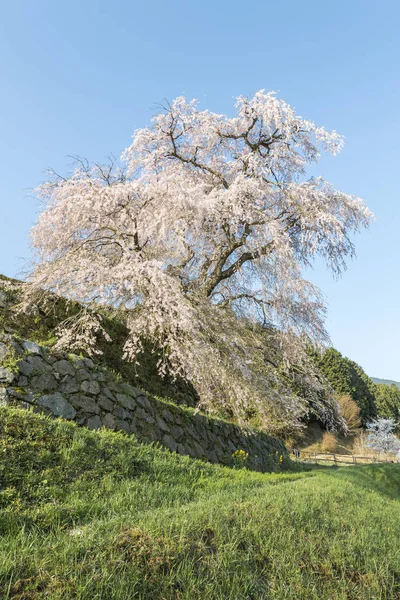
95 515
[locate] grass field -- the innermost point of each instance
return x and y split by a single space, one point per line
94 515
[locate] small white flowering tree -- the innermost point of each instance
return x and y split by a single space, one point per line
381 436
201 235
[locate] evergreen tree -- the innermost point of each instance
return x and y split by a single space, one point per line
387 401
348 378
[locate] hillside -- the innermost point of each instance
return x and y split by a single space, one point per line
95 515
40 321
385 381
90 513
331 373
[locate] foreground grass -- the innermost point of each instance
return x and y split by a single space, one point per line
94 515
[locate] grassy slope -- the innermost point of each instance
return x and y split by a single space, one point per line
94 515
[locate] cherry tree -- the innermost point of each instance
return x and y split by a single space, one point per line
199 239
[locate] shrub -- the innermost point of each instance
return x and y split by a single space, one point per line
329 442
351 412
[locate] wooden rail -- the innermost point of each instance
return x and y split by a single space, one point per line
341 459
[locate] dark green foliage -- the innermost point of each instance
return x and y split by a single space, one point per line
348 378
387 399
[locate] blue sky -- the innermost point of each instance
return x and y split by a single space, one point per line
78 77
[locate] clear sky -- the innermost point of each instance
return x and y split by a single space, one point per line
78 77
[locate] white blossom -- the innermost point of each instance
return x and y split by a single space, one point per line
206 232
381 436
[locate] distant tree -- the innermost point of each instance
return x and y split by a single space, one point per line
204 232
387 399
381 437
348 379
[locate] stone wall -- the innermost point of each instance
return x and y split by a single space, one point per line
79 389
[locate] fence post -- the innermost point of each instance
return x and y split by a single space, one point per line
315 457
354 460
334 459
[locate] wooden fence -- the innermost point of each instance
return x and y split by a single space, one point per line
341 459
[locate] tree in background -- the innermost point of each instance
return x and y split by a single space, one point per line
201 235
387 398
348 379
381 437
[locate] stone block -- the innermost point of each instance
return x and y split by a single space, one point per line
31 348
181 450
121 413
167 416
169 443
3 351
112 386
69 385
122 426
201 430
20 395
44 382
57 405
140 414
161 424
7 376
64 367
90 387
126 401
177 432
83 375
212 457
190 451
105 403
3 396
99 376
197 449
232 447
94 422
78 363
107 392
127 388
34 365
85 404
109 421
144 403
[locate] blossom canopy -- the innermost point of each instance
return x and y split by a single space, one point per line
201 233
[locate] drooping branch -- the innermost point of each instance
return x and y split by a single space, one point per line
209 209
